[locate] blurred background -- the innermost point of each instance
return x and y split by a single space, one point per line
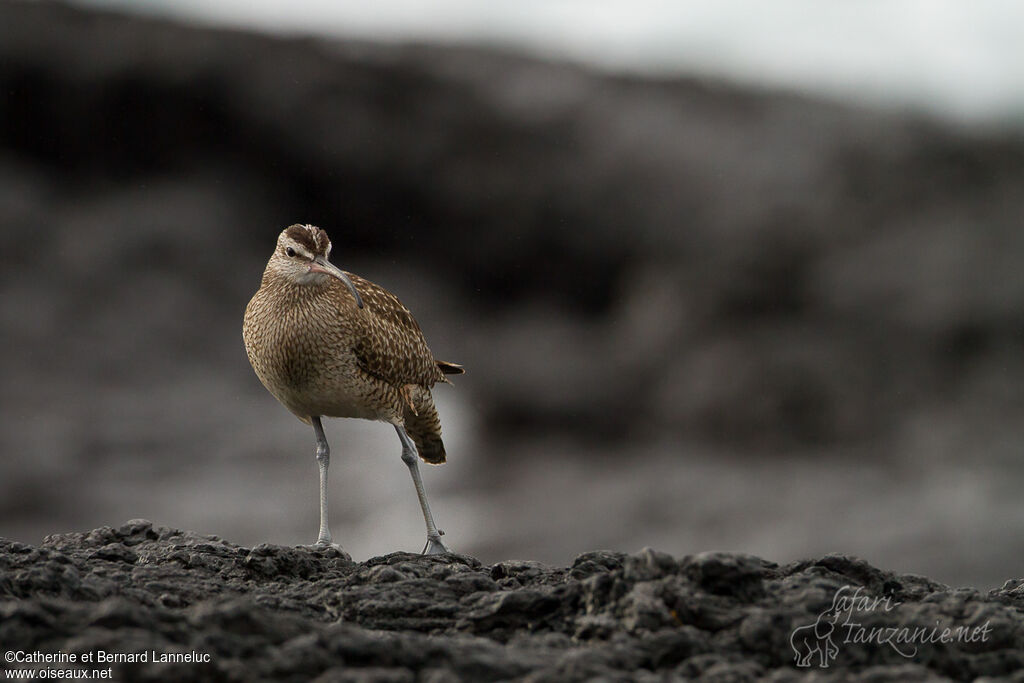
721 279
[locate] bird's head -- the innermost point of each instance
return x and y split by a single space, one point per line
301 256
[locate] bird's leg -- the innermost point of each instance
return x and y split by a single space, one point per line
323 459
409 456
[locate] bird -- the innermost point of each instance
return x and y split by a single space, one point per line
329 343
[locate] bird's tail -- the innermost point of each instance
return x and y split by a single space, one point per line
423 425
449 368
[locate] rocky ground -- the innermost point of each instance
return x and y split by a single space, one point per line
281 613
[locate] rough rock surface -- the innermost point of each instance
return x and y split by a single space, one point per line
281 613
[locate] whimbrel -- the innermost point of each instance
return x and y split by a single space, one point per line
327 343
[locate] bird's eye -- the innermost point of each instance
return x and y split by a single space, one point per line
290 251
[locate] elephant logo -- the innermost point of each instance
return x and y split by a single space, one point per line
817 639
844 614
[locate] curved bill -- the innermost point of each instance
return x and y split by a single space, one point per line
322 265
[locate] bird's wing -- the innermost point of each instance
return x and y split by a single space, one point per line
388 342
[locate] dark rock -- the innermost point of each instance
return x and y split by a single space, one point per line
512 610
598 562
669 647
116 552
280 613
728 574
648 564
471 583
269 561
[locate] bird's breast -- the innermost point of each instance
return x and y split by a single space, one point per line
302 351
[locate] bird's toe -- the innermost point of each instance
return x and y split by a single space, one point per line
435 546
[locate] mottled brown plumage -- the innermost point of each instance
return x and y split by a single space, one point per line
329 343
319 354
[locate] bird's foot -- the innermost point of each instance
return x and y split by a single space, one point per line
322 543
435 546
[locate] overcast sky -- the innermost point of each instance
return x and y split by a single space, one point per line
956 58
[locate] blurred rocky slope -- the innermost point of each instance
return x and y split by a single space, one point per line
738 264
279 613
616 260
